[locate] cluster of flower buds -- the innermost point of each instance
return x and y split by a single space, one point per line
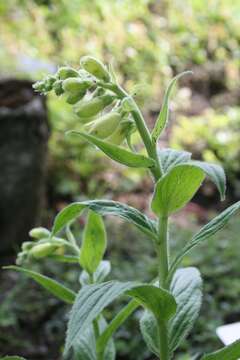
41 246
84 88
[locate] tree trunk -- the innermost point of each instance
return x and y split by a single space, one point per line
24 134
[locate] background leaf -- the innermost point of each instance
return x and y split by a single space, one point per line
118 153
175 189
230 352
105 207
12 358
171 157
94 243
54 287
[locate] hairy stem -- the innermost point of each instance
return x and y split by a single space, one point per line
162 249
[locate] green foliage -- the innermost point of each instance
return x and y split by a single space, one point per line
175 304
230 352
94 243
175 189
55 288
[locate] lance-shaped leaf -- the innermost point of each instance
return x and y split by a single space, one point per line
94 243
104 207
163 115
118 153
176 188
85 347
54 287
171 157
215 173
206 232
186 287
230 352
92 299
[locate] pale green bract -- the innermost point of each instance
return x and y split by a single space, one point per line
99 275
170 157
176 188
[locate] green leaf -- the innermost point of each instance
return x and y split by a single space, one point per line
94 243
206 232
186 287
215 173
163 115
85 347
92 299
105 207
118 153
230 352
99 275
176 188
55 288
170 158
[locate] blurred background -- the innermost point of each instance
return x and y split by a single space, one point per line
148 42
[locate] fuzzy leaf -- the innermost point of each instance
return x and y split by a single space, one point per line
54 287
92 299
104 207
230 352
206 232
94 243
163 115
186 287
170 158
215 173
85 347
175 189
118 153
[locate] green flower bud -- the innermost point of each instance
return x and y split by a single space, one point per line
73 98
58 88
92 107
125 128
42 250
39 86
95 67
27 245
105 125
49 82
39 233
65 72
76 84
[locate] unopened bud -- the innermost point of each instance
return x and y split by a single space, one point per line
39 233
42 250
22 256
105 125
58 88
76 84
125 128
73 98
65 72
92 107
95 67
27 245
